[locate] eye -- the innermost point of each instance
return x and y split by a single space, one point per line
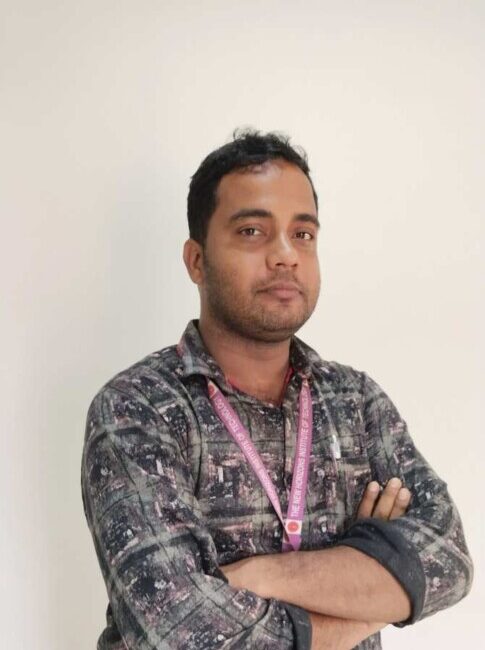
307 236
249 231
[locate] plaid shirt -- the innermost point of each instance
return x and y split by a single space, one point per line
169 498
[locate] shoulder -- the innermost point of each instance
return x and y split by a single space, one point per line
344 383
153 382
338 377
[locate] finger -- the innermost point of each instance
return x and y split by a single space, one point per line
386 501
401 503
368 501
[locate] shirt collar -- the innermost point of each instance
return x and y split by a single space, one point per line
196 359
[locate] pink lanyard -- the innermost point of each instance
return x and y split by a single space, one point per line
292 524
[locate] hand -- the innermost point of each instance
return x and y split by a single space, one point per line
389 504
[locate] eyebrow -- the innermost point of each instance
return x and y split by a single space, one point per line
245 213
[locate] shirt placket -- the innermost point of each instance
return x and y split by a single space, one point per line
290 425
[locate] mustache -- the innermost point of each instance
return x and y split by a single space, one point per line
281 279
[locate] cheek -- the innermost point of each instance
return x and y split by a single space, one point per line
243 271
313 275
318 279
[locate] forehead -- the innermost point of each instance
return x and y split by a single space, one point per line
271 184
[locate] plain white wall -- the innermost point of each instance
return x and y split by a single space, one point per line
106 109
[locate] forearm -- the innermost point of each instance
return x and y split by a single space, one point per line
331 633
441 572
340 582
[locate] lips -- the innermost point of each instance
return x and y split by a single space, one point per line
284 286
283 289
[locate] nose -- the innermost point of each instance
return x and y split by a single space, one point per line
282 252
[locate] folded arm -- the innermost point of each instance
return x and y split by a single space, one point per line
340 582
425 550
398 570
158 560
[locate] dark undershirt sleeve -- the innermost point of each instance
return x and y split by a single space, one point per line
302 626
425 549
381 541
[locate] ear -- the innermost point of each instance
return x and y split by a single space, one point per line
193 259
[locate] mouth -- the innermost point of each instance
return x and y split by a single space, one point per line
283 290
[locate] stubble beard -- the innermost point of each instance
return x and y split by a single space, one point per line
250 318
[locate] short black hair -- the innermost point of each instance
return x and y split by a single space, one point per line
248 147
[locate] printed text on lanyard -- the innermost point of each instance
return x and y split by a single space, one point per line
292 523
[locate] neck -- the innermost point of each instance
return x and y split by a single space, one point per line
256 367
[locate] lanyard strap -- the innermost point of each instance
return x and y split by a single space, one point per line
292 523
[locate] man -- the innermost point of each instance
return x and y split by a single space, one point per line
232 482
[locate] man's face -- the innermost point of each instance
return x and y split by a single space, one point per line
261 276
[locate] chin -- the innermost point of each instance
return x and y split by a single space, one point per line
277 329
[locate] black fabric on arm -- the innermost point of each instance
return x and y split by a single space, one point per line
219 574
381 541
302 626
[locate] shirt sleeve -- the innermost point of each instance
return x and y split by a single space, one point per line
158 561
425 549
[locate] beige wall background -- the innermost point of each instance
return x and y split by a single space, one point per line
106 109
